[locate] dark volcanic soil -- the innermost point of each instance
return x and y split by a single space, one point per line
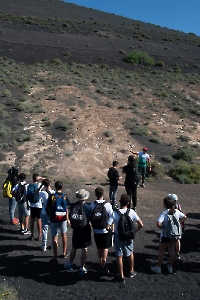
25 267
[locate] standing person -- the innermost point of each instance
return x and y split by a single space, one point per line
144 158
20 191
113 176
100 212
35 203
10 183
132 179
174 197
57 207
167 239
124 247
44 195
81 236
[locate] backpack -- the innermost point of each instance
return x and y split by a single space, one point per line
126 228
20 193
78 217
110 173
59 207
7 189
173 228
31 193
99 216
136 175
10 182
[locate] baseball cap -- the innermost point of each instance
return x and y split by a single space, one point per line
82 194
145 149
173 197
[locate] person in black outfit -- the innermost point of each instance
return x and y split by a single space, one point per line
113 176
132 179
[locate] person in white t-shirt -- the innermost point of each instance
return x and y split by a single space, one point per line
124 247
168 203
44 195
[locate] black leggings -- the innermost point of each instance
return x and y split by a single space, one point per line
131 190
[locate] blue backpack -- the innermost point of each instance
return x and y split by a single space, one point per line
59 207
31 193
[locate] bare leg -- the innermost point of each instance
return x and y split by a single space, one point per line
55 246
26 219
172 245
120 266
32 226
64 242
99 256
72 255
39 226
131 262
83 256
162 247
104 254
178 246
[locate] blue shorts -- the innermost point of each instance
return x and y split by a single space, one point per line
55 226
123 248
22 210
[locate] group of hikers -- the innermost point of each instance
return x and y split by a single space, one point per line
110 223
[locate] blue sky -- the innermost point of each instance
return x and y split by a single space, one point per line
181 15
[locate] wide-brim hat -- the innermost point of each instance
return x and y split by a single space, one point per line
82 194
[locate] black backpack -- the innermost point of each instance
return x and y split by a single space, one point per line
126 228
99 216
77 216
20 195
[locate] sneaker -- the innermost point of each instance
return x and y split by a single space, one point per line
177 256
43 247
132 274
170 269
120 279
104 270
14 222
22 231
26 231
68 266
143 185
156 269
82 271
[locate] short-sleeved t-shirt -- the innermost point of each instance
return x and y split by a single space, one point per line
39 203
130 173
143 158
163 218
16 188
113 175
114 218
45 196
109 210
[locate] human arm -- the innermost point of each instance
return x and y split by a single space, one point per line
139 225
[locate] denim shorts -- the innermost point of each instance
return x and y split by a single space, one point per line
56 226
123 248
22 210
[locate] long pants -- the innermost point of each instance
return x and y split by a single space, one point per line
113 194
131 190
12 207
45 226
142 170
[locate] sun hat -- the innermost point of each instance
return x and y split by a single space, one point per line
145 149
82 194
173 197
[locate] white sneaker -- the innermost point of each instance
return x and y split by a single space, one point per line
43 247
170 269
156 269
26 231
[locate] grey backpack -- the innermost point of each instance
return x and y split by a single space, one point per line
173 228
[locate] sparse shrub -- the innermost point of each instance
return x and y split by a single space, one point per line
184 153
6 93
4 130
185 172
108 133
23 137
157 171
177 108
52 97
57 61
184 138
154 139
138 130
122 52
7 292
167 158
63 126
160 63
140 58
69 153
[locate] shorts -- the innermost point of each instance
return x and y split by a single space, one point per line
35 213
103 240
55 226
22 210
164 239
81 238
123 247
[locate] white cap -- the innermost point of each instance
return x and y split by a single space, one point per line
173 197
